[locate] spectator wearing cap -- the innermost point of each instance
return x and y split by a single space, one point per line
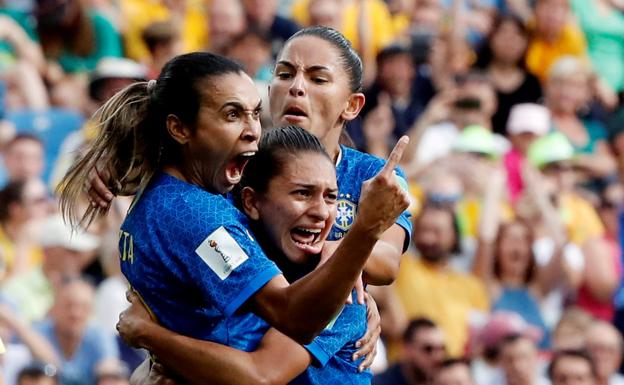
604 344
519 361
38 374
429 286
23 205
489 339
503 60
110 76
572 367
81 347
423 351
553 155
65 254
526 123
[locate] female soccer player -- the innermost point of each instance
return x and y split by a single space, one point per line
317 85
184 140
286 191
317 81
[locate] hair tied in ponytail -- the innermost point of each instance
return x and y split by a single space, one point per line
150 86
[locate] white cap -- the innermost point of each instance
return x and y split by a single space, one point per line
54 232
118 67
528 117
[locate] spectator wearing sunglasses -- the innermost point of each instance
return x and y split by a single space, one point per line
423 351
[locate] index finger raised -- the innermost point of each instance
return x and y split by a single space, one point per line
395 156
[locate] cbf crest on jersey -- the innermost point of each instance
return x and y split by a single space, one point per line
345 212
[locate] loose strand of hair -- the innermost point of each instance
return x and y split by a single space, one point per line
118 121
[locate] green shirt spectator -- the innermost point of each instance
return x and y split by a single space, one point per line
603 26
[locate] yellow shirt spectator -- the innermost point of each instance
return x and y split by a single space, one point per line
443 295
8 255
542 54
141 13
380 25
580 219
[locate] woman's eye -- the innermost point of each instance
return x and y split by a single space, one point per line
319 80
232 114
303 193
283 75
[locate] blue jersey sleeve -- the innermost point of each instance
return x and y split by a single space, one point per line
340 335
212 244
405 219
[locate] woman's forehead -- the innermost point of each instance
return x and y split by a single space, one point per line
222 89
310 51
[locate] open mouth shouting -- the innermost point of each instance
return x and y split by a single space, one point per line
236 166
294 114
307 239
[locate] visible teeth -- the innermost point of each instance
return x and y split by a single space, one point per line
309 231
248 153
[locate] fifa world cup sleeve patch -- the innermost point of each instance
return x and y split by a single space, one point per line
221 252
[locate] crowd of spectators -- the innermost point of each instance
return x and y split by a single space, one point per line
515 113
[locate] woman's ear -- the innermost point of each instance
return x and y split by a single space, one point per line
249 200
178 130
354 106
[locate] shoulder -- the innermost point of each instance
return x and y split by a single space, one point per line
170 203
361 163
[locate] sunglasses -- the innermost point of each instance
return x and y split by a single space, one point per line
431 348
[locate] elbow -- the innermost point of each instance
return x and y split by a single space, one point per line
304 337
301 331
382 271
387 277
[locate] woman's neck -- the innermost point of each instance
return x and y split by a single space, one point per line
292 271
331 141
512 280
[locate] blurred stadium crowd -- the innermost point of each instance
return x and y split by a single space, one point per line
515 112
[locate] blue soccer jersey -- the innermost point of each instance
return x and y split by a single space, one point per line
333 349
188 253
352 170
